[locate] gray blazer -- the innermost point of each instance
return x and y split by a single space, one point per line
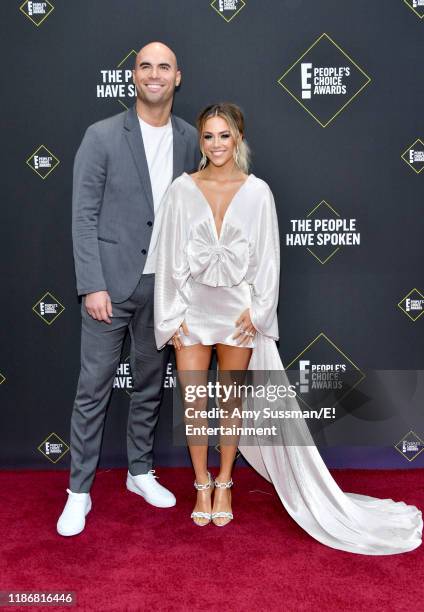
112 202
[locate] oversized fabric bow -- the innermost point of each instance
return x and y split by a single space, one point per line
217 263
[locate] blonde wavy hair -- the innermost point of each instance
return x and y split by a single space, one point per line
235 119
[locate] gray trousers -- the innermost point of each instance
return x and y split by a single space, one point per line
101 347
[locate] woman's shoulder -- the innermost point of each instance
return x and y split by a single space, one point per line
180 186
179 194
261 189
180 182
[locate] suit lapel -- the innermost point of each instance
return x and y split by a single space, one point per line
135 141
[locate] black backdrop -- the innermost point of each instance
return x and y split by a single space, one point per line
350 299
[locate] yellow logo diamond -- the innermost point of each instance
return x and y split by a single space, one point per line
117 83
48 308
324 80
417 6
228 9
323 232
37 12
412 304
127 64
323 258
327 374
414 156
42 161
410 446
53 448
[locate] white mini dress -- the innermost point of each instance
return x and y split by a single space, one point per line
209 280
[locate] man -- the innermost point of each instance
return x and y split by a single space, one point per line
122 171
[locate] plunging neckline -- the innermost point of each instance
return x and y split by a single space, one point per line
218 236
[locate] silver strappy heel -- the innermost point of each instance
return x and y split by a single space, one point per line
202 515
222 514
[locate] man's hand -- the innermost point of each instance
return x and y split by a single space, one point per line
99 306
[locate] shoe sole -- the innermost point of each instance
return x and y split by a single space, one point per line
69 535
133 489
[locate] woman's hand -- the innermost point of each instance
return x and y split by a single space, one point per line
246 331
176 338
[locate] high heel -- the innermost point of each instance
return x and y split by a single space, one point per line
198 514
222 514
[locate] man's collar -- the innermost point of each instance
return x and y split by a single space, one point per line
131 121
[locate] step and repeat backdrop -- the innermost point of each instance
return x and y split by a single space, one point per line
333 96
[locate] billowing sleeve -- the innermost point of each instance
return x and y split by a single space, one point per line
172 270
265 268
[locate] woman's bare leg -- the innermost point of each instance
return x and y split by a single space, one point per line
192 366
236 359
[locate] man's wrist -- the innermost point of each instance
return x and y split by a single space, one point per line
84 292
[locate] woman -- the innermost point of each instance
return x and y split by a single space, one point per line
216 284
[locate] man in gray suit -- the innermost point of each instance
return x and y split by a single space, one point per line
122 170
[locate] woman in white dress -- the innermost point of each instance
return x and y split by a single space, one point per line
217 284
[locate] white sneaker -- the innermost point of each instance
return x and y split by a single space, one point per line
72 520
154 493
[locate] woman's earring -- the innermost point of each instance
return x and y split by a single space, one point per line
237 155
203 161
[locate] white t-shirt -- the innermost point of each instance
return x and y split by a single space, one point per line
158 145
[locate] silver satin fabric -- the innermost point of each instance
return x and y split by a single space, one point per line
208 281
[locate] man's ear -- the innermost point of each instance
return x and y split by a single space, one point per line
178 79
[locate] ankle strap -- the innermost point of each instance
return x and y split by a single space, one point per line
204 487
224 485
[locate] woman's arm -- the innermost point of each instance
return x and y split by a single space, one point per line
266 276
172 271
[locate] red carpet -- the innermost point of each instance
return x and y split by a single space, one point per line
136 557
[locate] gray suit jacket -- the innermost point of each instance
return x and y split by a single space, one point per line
112 203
